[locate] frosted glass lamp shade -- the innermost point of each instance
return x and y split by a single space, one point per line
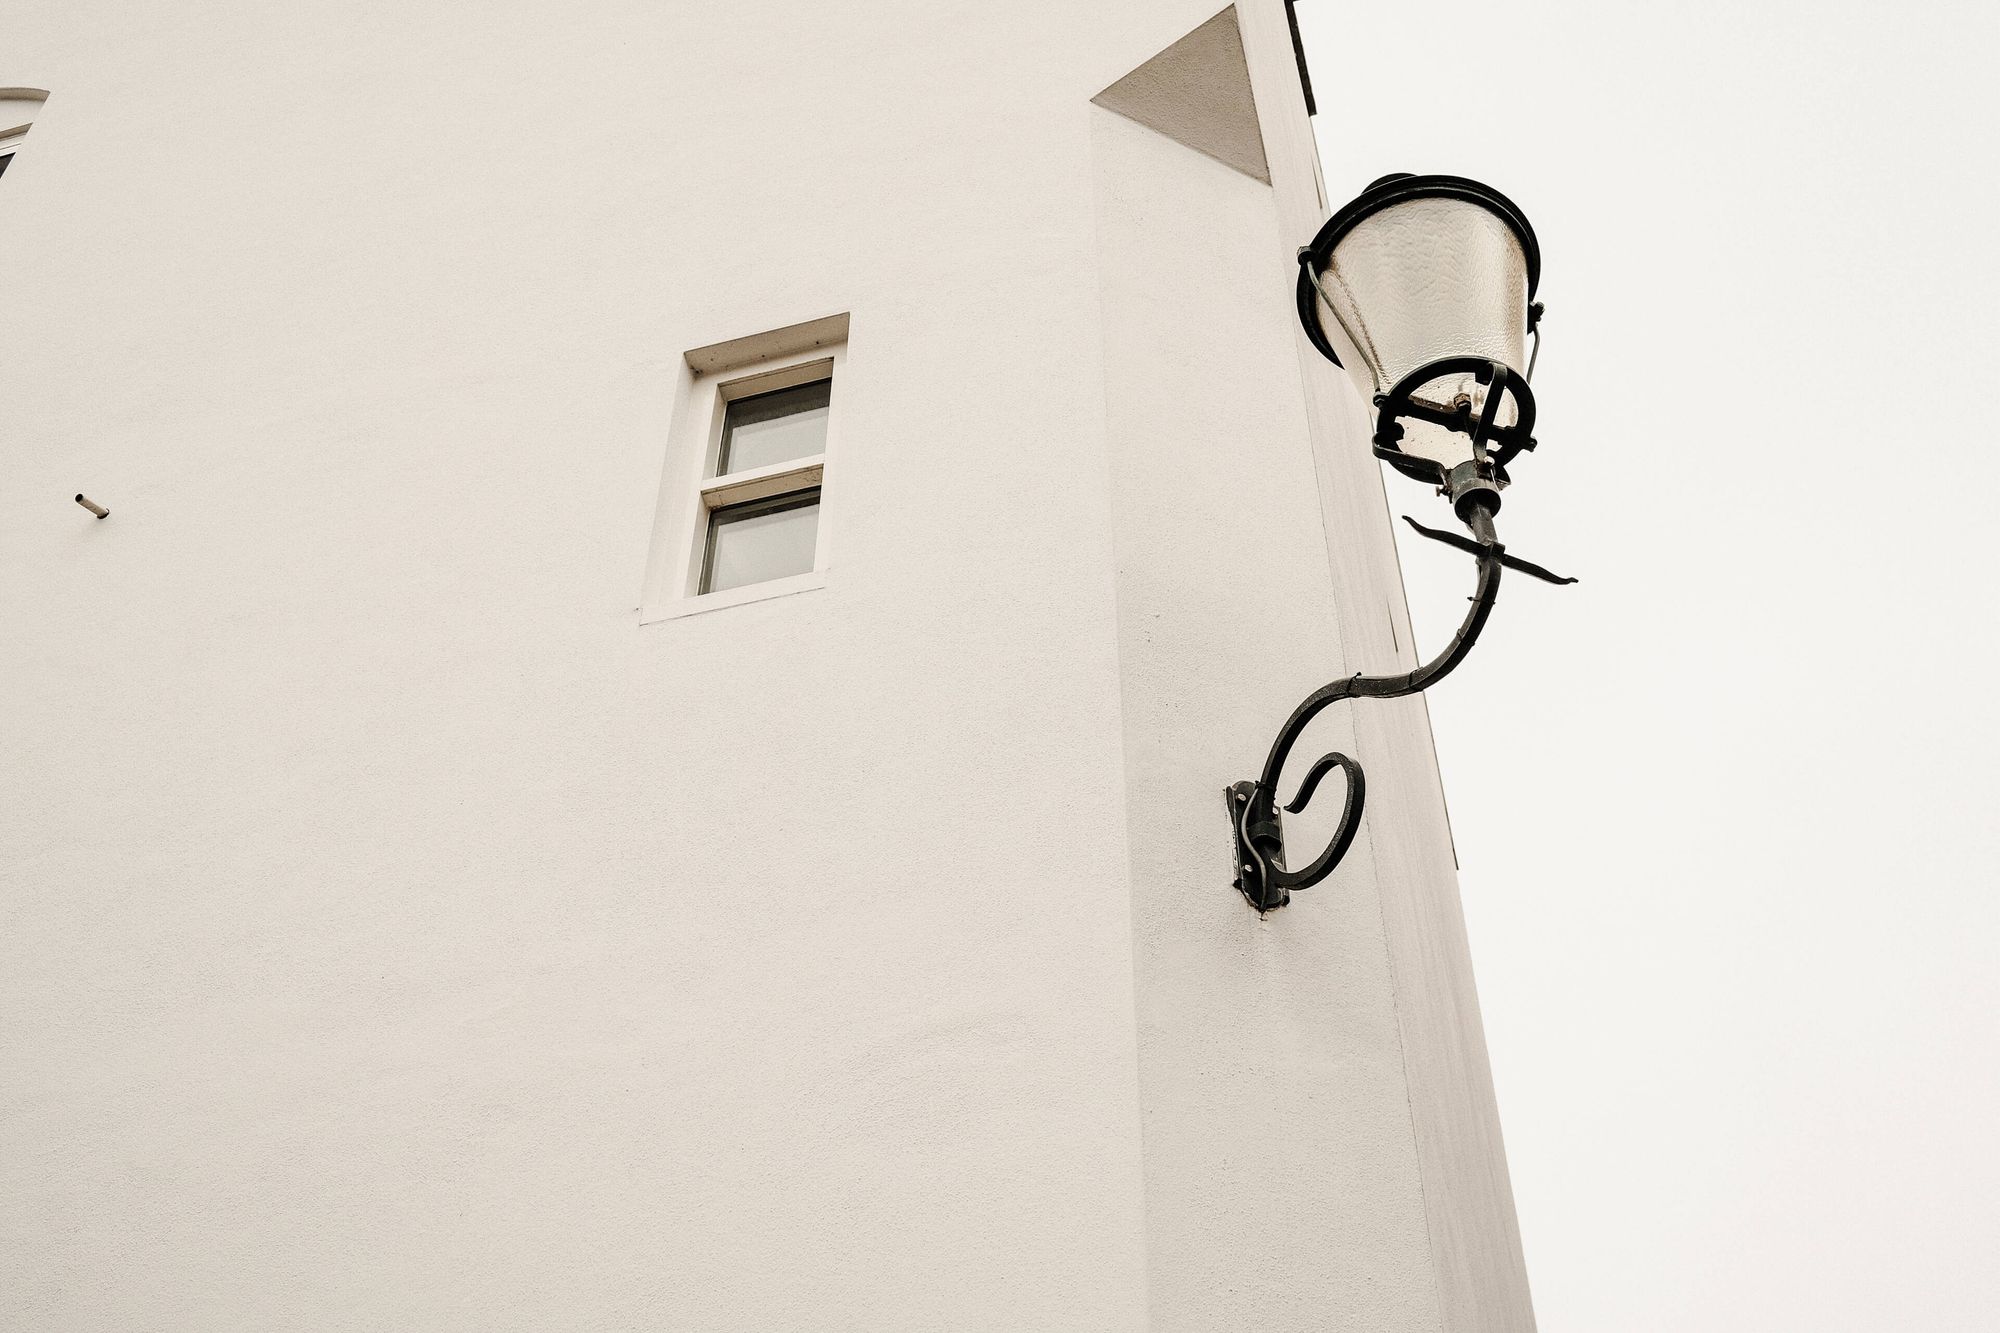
1416 270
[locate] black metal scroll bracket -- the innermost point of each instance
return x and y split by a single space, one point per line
1502 386
1262 874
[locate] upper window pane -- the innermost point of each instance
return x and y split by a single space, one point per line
775 427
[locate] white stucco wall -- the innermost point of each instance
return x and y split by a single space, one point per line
402 934
1269 1061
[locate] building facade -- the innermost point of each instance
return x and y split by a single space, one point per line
643 743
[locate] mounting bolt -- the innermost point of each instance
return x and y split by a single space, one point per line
94 508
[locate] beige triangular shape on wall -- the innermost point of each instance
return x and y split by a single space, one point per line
1197 92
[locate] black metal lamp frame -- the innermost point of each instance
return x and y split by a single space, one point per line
1262 874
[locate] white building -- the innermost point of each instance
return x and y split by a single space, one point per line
428 909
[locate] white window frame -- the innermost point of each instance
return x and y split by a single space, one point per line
693 491
14 102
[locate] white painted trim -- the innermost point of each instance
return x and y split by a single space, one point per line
763 482
789 341
787 376
749 592
15 102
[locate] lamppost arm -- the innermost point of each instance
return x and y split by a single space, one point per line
1262 874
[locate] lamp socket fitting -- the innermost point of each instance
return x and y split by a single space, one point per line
1473 484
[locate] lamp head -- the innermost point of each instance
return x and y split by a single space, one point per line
1422 288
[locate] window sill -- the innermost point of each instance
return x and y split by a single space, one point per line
717 601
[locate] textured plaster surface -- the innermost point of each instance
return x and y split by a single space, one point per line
1270 1064
400 934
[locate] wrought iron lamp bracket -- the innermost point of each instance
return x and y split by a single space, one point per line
1262 873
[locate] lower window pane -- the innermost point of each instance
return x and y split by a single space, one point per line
761 541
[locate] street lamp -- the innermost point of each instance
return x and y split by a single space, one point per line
1423 290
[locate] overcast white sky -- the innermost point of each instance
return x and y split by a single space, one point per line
1727 808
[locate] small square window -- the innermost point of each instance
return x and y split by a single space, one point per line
763 519
746 521
761 541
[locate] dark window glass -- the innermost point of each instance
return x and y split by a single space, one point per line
762 540
775 427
